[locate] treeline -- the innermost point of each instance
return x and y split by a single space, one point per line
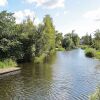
22 42
92 41
68 41
92 44
25 41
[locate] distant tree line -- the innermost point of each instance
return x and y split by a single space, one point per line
92 40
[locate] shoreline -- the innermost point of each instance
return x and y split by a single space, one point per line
8 70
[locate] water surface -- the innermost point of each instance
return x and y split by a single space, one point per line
66 76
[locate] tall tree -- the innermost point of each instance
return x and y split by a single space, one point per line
27 39
49 31
8 36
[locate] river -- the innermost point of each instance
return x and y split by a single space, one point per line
66 76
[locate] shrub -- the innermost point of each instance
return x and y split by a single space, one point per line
7 63
89 52
40 59
83 46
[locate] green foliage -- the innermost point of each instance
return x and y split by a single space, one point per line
90 52
97 34
98 54
8 36
58 40
87 40
22 42
96 95
49 31
40 59
7 63
96 44
60 49
26 38
67 43
71 40
84 46
96 40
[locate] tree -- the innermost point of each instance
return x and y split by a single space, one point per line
97 34
58 39
40 40
96 41
86 39
49 31
71 40
75 38
8 36
27 39
67 42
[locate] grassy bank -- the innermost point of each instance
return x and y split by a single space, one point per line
60 49
96 95
42 58
7 63
91 52
83 46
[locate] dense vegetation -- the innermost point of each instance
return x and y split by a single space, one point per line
91 44
26 42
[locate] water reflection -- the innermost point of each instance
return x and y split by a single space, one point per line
66 76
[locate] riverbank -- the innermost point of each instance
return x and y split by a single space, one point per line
8 70
7 66
91 52
95 95
65 69
7 63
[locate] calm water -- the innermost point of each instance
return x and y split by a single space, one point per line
67 76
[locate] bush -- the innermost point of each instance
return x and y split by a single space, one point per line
83 46
40 59
89 52
7 63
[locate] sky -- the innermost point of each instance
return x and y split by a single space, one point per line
83 16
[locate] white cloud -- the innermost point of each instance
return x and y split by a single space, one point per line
3 2
48 3
38 2
94 14
21 15
65 12
81 26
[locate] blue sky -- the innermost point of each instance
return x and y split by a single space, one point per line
80 15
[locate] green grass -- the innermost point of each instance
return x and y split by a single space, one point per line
96 95
91 52
7 63
40 59
60 49
98 54
83 46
